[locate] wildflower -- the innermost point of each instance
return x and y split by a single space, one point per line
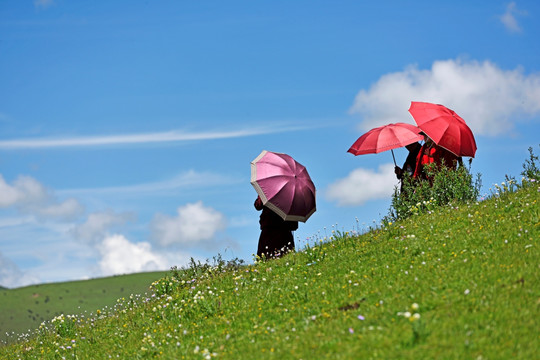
414 306
351 330
466 292
360 317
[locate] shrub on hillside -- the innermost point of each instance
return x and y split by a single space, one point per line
449 186
445 186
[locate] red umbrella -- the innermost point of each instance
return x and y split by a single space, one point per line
385 138
284 185
446 128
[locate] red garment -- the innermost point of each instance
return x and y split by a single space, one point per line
276 236
433 154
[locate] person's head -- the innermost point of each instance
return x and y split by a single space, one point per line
427 140
413 146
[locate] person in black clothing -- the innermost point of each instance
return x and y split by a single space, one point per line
410 163
276 237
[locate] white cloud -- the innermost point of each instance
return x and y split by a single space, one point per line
509 20
362 185
120 256
195 223
29 196
23 191
144 138
97 225
488 98
11 276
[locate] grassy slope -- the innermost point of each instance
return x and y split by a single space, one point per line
25 308
473 271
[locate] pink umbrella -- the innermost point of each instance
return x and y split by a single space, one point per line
284 185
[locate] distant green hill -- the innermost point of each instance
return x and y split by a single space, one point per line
459 283
25 308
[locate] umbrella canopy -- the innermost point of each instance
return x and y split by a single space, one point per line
385 138
446 128
284 185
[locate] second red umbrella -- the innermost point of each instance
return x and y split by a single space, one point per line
384 138
446 128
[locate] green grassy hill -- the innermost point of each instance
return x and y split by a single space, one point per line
27 307
459 283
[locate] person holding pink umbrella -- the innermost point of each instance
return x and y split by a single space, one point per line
276 237
286 196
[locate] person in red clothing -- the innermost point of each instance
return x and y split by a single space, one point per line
276 237
432 153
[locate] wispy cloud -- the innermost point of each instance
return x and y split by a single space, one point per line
143 138
97 225
509 19
180 181
15 221
43 4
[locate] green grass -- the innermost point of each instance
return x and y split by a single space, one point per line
27 307
472 271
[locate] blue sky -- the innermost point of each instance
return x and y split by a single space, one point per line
127 128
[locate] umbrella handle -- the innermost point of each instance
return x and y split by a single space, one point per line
393 157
